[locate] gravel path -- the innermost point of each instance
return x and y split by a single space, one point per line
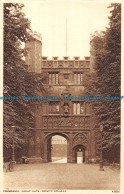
61 176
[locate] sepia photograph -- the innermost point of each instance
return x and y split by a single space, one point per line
61 96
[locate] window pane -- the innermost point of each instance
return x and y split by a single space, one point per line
81 77
75 78
50 108
78 108
74 108
82 108
53 80
57 107
54 108
78 81
50 78
56 78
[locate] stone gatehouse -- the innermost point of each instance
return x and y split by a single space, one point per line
72 119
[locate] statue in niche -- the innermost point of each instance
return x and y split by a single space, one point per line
66 108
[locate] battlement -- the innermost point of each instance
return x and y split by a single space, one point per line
55 62
64 59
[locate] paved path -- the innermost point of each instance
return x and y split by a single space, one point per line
59 160
64 160
61 176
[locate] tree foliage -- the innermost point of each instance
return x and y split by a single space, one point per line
105 80
17 80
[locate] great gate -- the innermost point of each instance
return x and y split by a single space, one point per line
65 113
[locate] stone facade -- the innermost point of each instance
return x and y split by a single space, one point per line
72 119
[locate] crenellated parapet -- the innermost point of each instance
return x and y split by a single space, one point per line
66 62
56 58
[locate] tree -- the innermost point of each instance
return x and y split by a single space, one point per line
17 80
105 79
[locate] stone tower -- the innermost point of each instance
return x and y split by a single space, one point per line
34 53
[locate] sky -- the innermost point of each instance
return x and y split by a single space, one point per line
48 18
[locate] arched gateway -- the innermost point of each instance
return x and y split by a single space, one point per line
48 145
64 113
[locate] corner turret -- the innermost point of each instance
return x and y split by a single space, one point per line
34 53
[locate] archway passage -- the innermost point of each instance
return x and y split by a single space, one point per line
79 152
59 149
57 145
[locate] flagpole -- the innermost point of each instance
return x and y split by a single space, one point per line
66 36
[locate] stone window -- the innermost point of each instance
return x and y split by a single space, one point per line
78 108
53 78
54 108
78 78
